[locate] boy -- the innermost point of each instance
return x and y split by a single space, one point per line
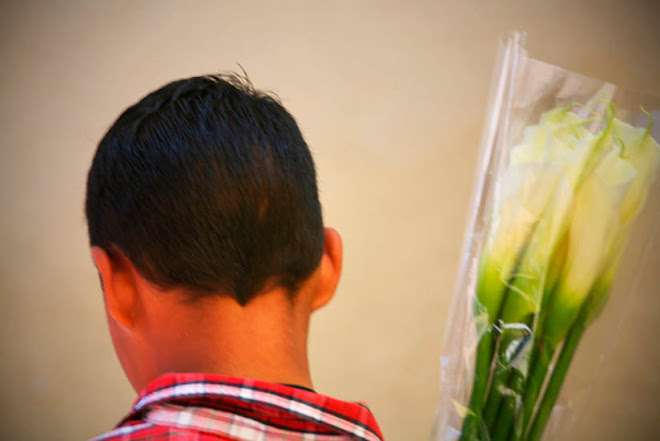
206 230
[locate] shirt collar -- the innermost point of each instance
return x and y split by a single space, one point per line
269 400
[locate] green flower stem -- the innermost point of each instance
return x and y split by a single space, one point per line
504 397
499 383
539 367
510 406
515 322
472 424
496 394
557 379
491 298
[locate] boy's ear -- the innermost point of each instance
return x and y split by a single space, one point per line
119 286
330 268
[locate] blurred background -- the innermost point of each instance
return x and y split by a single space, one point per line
391 97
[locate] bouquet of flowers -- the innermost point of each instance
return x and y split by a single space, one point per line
567 164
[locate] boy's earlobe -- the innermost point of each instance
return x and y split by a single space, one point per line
119 287
330 268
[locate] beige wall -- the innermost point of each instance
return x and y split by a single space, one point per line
390 95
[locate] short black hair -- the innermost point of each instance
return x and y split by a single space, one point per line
208 184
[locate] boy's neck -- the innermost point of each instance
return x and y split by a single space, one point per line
264 340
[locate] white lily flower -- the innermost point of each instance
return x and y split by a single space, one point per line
594 228
534 180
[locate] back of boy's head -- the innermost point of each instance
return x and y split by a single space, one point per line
208 185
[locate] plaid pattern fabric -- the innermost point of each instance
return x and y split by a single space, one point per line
202 407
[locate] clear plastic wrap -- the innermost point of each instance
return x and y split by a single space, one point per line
565 205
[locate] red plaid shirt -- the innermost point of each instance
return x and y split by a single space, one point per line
201 407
